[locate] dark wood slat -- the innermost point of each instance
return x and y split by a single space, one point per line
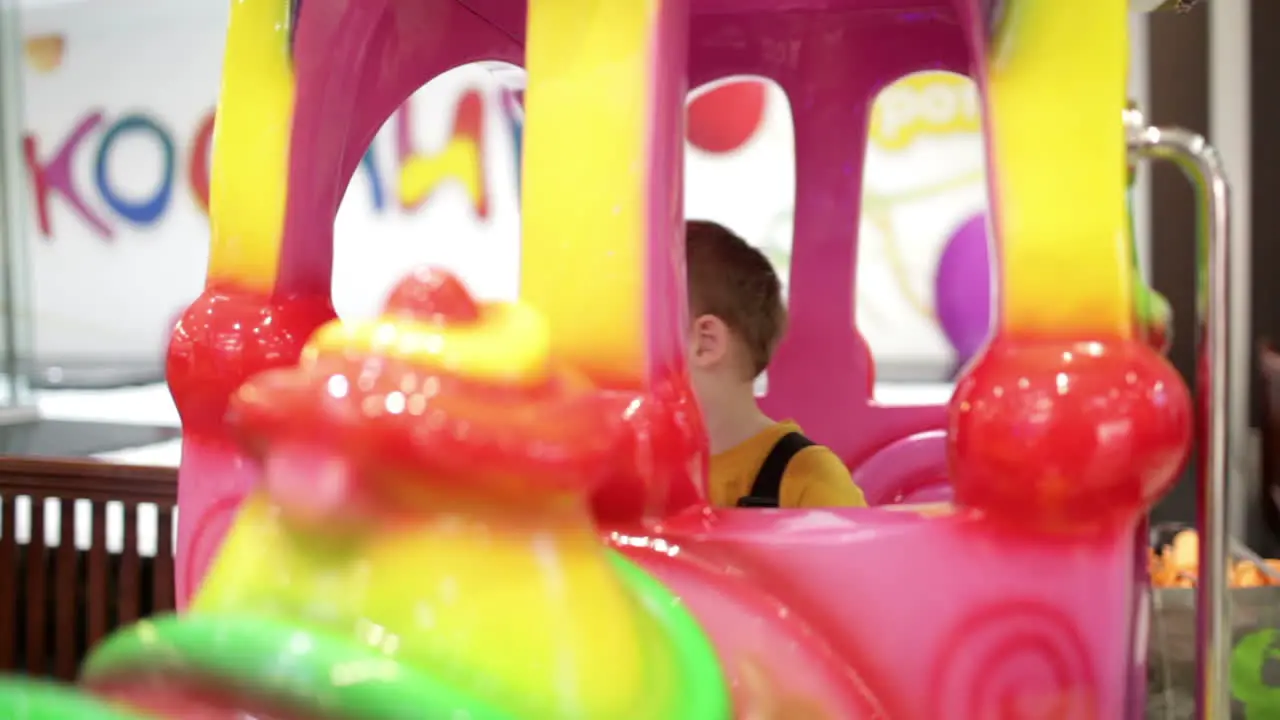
127 583
8 585
37 605
97 590
65 657
162 584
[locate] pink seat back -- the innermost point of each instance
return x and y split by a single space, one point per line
911 470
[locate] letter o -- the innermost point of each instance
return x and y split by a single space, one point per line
142 212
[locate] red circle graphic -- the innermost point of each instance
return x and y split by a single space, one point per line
724 118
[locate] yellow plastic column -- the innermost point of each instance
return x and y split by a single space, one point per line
1061 195
588 111
251 147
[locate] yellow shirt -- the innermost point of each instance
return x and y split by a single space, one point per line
815 477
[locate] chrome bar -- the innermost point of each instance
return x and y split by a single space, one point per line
1202 166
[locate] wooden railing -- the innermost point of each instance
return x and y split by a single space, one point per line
71 565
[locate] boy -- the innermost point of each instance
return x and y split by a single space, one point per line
735 302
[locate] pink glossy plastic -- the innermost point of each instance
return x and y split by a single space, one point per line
1022 603
822 375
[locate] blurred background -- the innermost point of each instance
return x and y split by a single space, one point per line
108 122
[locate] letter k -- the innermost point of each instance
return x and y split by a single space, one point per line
56 176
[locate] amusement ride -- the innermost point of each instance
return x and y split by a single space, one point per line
464 509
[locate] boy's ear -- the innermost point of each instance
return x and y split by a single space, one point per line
710 341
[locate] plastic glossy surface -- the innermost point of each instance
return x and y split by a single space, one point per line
831 60
496 510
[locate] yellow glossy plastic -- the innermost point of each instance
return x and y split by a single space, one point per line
1061 212
585 184
436 594
251 147
510 343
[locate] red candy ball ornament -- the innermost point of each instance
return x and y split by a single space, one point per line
229 335
433 295
1061 435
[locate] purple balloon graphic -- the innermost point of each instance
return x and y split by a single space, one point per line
962 288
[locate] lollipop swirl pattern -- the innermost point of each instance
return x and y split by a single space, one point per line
1020 659
210 528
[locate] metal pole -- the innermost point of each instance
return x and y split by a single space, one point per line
1201 164
13 230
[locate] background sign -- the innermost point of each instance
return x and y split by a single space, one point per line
119 100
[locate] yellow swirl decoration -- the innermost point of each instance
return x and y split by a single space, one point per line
251 151
582 262
509 344
1061 212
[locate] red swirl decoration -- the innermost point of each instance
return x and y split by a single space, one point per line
1019 660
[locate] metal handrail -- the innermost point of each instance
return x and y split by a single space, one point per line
1203 167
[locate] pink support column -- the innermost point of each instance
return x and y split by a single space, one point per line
352 63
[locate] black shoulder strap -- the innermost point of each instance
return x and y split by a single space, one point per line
768 484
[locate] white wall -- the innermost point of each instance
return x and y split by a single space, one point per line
100 297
